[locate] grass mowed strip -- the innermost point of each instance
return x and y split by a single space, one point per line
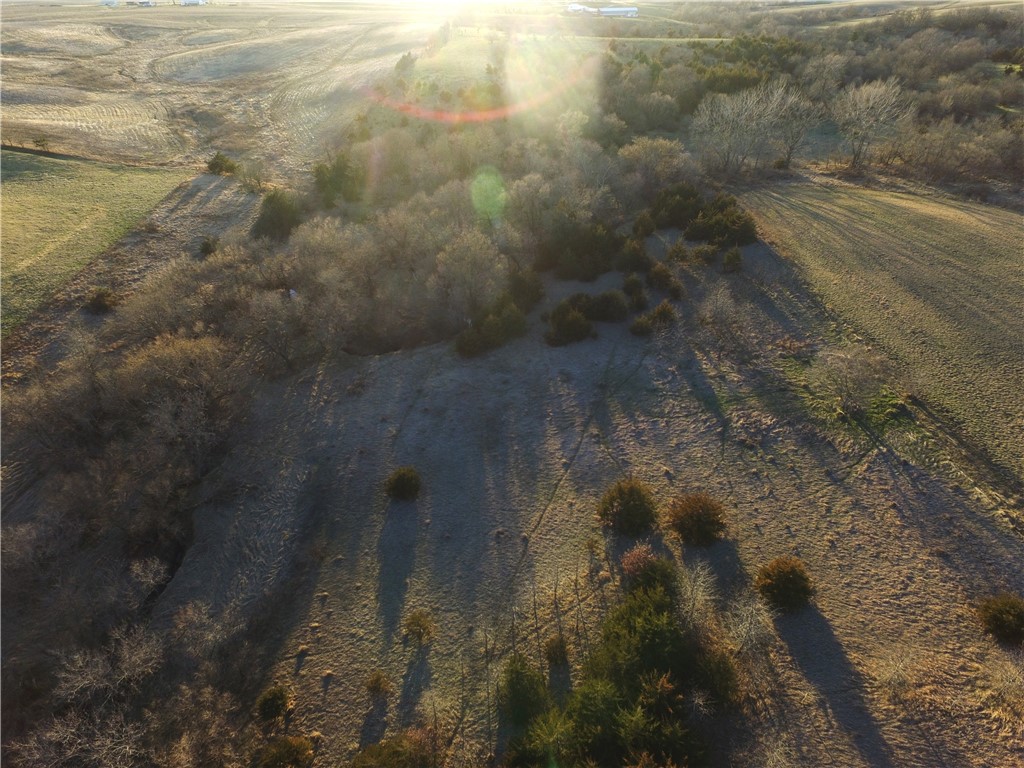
938 283
57 215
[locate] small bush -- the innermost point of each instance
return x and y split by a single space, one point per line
628 507
101 300
556 650
209 245
379 684
706 253
1003 616
419 627
279 215
663 314
522 692
732 261
636 560
502 323
403 484
697 518
633 287
526 289
678 252
221 165
287 752
608 307
659 277
643 225
643 569
273 703
634 257
642 326
568 324
677 206
413 748
723 221
784 583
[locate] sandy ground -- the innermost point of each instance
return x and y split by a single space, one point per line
515 449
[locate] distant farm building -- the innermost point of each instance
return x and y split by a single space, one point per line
191 2
619 11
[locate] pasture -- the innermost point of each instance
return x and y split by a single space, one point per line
936 282
59 214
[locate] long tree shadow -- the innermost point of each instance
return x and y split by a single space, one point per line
375 722
396 555
723 559
822 660
414 682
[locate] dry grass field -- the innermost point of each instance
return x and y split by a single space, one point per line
170 84
60 214
935 282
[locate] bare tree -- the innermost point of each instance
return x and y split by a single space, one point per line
866 113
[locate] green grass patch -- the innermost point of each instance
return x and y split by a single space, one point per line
58 215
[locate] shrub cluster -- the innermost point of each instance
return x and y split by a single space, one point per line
273 703
660 278
403 484
522 692
577 251
567 326
628 507
661 316
221 164
499 325
677 205
723 221
556 650
101 300
287 752
732 261
419 627
279 215
630 698
633 287
696 518
785 583
634 257
337 177
1003 616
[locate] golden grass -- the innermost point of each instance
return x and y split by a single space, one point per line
58 215
937 283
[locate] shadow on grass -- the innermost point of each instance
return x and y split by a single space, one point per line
375 722
396 555
820 657
414 682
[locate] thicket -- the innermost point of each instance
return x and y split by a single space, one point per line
279 215
631 698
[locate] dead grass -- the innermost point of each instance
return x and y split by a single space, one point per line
936 283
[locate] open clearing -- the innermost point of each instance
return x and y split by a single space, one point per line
936 283
516 448
60 214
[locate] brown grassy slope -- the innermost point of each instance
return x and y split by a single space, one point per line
937 283
514 450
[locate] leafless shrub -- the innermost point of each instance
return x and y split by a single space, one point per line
749 623
698 597
852 375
